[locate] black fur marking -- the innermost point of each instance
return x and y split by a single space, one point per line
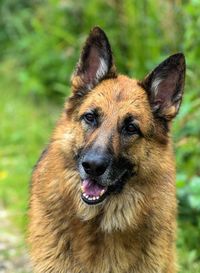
119 185
129 119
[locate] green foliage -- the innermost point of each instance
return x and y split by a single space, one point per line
24 133
40 43
45 37
187 134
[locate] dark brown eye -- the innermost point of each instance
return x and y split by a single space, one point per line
90 118
131 129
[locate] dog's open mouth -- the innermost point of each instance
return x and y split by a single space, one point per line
93 193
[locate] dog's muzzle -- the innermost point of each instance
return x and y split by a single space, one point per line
94 165
101 174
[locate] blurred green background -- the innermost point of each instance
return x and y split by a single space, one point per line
40 42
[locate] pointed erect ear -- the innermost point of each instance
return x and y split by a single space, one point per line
165 85
95 64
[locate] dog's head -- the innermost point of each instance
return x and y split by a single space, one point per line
119 125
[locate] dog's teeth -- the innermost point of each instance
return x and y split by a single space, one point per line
102 192
92 198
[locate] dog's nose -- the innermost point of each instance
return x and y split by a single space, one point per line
95 164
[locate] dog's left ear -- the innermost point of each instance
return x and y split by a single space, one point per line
95 63
165 85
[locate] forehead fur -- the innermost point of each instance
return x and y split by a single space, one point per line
118 97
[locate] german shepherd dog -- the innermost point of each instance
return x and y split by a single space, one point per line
103 194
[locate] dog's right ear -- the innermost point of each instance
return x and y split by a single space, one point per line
95 63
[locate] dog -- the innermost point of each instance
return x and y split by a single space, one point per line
103 197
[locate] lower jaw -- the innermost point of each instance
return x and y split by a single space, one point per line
94 202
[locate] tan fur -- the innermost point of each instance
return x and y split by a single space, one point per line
131 232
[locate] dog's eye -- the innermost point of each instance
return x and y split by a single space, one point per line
90 118
131 129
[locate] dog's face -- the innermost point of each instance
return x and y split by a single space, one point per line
115 119
119 124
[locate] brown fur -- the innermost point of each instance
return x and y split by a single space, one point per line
131 232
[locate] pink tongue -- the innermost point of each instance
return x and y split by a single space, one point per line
91 188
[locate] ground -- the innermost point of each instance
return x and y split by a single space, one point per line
13 254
